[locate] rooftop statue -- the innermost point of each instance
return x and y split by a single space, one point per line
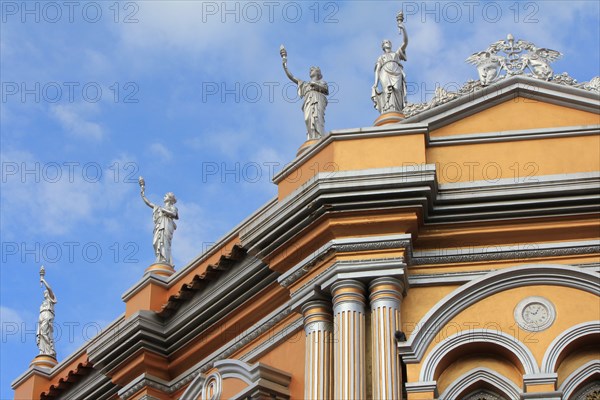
164 224
45 329
389 90
314 93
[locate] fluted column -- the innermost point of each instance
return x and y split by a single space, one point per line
385 298
318 377
349 339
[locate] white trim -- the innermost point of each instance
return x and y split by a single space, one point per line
499 382
501 339
437 317
564 339
579 376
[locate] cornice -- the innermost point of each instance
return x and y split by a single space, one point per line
496 253
343 246
347 190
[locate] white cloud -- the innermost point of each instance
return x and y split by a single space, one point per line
11 324
74 119
161 151
9 316
192 235
60 203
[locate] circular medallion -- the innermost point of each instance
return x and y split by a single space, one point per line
535 313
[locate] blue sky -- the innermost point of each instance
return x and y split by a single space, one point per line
192 96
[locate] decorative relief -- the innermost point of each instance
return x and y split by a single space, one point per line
505 255
535 313
511 58
483 395
591 392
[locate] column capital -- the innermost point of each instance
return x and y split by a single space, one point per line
386 290
349 292
317 316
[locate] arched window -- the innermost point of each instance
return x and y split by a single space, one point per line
588 392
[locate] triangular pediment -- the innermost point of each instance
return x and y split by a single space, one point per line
516 103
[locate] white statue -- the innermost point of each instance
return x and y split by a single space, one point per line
314 94
164 224
45 328
389 74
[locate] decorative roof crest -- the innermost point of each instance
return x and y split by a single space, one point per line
518 56
513 57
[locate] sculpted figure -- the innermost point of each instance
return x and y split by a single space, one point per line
488 65
164 224
314 93
538 61
45 328
389 90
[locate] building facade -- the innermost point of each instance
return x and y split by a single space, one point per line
451 255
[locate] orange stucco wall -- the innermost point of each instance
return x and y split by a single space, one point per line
517 114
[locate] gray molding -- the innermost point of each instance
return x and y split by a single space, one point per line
342 246
361 270
93 386
416 187
492 377
286 332
217 247
147 330
516 135
572 382
216 300
450 278
495 253
261 379
541 378
508 342
350 134
412 351
142 381
146 280
459 278
147 380
560 343
340 191
555 395
235 344
421 387
507 89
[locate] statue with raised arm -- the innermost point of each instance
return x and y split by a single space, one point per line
45 329
389 90
314 94
164 224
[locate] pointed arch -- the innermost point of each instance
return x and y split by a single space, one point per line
494 379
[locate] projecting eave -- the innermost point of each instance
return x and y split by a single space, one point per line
505 90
